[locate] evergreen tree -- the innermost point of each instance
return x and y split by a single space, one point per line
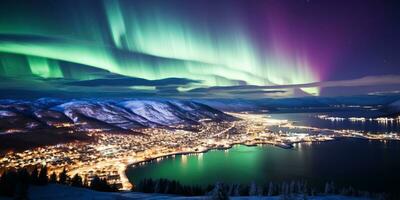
95 184
304 196
53 178
21 191
101 185
305 188
34 176
147 185
328 188
333 189
270 189
299 187
63 177
173 187
292 188
22 185
150 186
178 188
231 190
7 183
164 183
236 190
167 188
85 183
313 192
3 184
244 190
139 186
23 175
219 192
157 187
260 191
43 179
209 189
285 191
253 189
76 181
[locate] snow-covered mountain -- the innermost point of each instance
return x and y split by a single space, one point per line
105 114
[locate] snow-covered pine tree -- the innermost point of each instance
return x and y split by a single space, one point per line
270 189
253 189
219 192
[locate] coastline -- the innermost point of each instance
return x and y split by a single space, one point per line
205 150
113 154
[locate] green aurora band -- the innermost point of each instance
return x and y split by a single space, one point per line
144 41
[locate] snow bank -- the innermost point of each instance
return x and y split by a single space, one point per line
62 192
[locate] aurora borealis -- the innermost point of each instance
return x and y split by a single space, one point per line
181 46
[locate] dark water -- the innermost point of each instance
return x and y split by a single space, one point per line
311 119
366 165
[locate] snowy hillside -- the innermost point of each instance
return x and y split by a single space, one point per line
105 114
61 192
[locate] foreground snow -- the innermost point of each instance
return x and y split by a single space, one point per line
54 191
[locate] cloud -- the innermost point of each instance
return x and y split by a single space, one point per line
118 85
365 81
259 91
131 81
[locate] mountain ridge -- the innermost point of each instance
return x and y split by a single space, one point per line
104 114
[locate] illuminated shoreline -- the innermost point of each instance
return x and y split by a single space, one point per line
247 144
109 155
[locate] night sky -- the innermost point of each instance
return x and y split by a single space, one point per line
199 49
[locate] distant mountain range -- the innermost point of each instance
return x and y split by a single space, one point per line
49 120
103 114
128 114
383 104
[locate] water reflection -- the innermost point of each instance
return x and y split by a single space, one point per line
184 160
344 121
345 161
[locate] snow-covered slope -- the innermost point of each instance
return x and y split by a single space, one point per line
61 192
105 114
